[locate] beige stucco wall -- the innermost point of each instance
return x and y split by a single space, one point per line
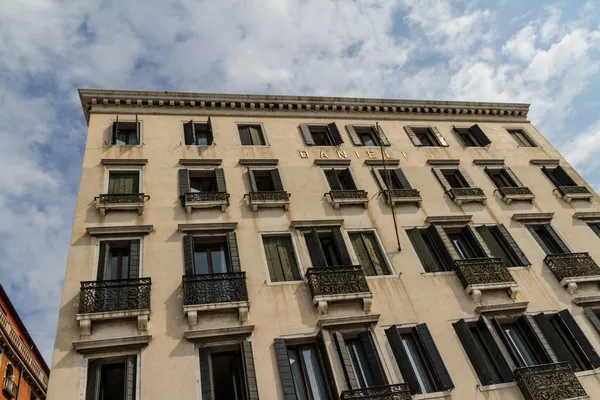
169 363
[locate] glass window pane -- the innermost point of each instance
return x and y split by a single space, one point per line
417 363
297 375
201 261
313 372
219 259
360 364
520 345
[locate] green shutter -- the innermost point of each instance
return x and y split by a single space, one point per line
103 257
134 259
249 370
205 374
341 246
406 369
480 135
431 350
220 178
188 255
308 139
189 133
353 135
276 179
130 377
234 256
373 358
184 181
335 134
285 371
345 360
92 391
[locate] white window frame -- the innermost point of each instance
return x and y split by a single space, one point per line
262 129
354 256
96 252
195 121
123 168
110 132
109 354
291 235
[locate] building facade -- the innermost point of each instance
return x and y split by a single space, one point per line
23 370
237 247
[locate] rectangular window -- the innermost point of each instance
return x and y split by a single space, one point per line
426 136
392 182
473 136
307 372
430 249
327 248
522 138
198 133
369 253
112 378
203 181
522 348
281 258
118 259
252 135
501 244
125 133
360 363
228 375
464 243
321 135
264 183
123 182
548 239
558 176
500 177
596 228
340 179
454 178
210 255
367 135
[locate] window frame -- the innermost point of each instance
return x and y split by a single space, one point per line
326 168
111 354
460 131
530 228
110 132
301 269
354 257
374 135
194 121
124 168
595 227
506 247
328 133
301 236
193 169
262 168
430 134
457 174
262 131
436 254
530 142
99 240
502 171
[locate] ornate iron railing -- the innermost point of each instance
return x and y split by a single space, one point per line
466 192
125 198
214 288
399 391
9 387
199 197
515 191
356 194
482 271
402 193
565 190
115 295
269 196
336 280
549 382
572 265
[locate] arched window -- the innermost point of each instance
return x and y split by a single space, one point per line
10 372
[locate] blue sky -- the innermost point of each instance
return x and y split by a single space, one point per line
543 53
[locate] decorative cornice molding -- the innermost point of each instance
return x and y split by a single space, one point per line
443 162
220 334
114 344
365 320
485 162
334 163
448 219
300 224
215 102
532 217
249 162
211 162
545 161
207 227
119 230
124 161
392 162
503 308
588 216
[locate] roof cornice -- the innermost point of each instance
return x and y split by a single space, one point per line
214 102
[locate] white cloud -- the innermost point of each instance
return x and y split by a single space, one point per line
522 45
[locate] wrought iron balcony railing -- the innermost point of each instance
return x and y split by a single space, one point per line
549 381
214 288
399 391
201 197
482 271
324 281
466 192
515 191
402 195
572 265
123 198
356 194
566 190
9 387
269 196
115 295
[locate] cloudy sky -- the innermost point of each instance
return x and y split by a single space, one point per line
544 53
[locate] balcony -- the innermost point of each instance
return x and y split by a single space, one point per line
9 387
569 193
482 274
123 298
522 193
269 199
201 200
402 196
328 284
549 381
348 198
398 391
573 268
467 195
121 202
215 292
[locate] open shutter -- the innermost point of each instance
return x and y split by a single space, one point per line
308 139
472 349
333 180
492 244
188 133
406 369
315 251
563 177
507 343
442 179
467 178
324 357
210 131
103 253
205 374
373 358
382 138
355 139
249 371
539 241
381 180
562 245
478 241
137 130
92 390
552 336
348 179
402 178
442 242
345 360
492 348
439 137
184 181
536 339
276 178
549 172
252 180
285 371
220 178
593 317
335 134
411 134
513 177
579 337
188 255
480 135
134 259
130 375
422 332
426 258
234 256
115 131
341 246
513 245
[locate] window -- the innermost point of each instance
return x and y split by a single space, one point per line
425 136
367 135
360 360
252 135
112 378
118 259
473 136
464 243
123 182
395 181
265 180
307 372
418 359
281 258
327 248
500 177
430 249
201 181
596 228
10 372
521 347
198 133
558 176
211 254
125 133
321 135
454 178
522 138
369 253
548 239
340 179
502 245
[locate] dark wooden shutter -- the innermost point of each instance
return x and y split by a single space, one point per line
353 136
549 172
411 134
335 134
480 135
184 181
513 245
561 245
426 258
249 371
130 375
382 138
395 339
444 247
472 349
205 374
210 131
137 130
308 139
345 360
507 343
349 180
373 358
102 257
188 133
552 336
536 339
513 177
315 251
188 255
134 259
593 317
564 178
285 371
492 348
442 179
324 357
491 243
439 137
341 246
431 350
479 245
402 178
220 178
276 178
539 241
115 131
333 180
234 256
579 337
252 180
92 390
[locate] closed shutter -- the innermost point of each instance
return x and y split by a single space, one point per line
249 371
472 349
333 180
287 258
220 178
579 337
349 180
134 259
513 177
103 255
380 178
256 136
276 178
373 359
205 374
561 351
353 136
442 179
189 133
467 178
341 246
345 360
494 350
130 375
561 245
92 389
114 131
593 317
442 242
539 240
411 134
245 137
308 139
536 339
188 255
335 134
382 137
563 177
234 256
406 369
184 181
315 251
252 180
431 350
513 245
439 137
274 263
324 357
426 258
210 131
402 178
285 371
480 135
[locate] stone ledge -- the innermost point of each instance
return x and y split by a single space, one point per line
545 161
124 161
207 227
113 344
589 216
333 163
248 162
191 311
532 217
312 223
209 162
448 219
443 162
219 334
322 301
85 320
491 161
380 163
502 308
346 321
117 230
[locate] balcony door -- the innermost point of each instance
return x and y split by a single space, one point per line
118 259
